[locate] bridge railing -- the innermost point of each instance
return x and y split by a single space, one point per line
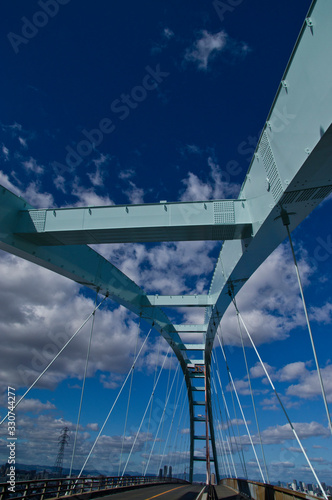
262 491
42 489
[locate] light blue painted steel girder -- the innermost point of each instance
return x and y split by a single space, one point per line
291 169
181 300
186 221
83 265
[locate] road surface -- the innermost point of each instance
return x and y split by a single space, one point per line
160 492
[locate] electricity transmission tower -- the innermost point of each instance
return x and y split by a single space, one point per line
63 441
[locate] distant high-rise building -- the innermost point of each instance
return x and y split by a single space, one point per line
170 472
294 485
160 474
165 471
213 478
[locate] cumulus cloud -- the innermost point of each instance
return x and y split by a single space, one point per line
134 193
270 303
31 165
280 433
216 186
33 194
35 325
166 268
308 386
88 196
208 46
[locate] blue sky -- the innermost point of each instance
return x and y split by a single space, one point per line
88 73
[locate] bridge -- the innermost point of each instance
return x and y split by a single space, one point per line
289 176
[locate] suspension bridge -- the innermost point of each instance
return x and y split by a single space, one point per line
289 176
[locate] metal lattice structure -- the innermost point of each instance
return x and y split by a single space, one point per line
289 175
63 441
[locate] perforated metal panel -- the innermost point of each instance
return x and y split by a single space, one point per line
270 166
38 218
289 197
323 192
317 193
306 194
224 212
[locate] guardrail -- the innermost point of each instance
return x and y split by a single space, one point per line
207 493
262 491
42 489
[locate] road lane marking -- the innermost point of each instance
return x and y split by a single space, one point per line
164 492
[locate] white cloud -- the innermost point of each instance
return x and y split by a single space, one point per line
134 193
4 181
217 186
269 302
206 47
292 371
41 323
5 152
93 427
322 314
168 33
23 142
35 406
280 433
309 386
88 196
168 268
97 177
34 194
126 174
32 166
257 371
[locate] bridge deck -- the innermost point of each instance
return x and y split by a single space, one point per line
163 491
226 493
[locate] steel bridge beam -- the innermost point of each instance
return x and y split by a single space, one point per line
291 169
181 300
187 221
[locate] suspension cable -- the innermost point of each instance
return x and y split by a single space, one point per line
83 387
129 397
309 329
162 419
166 398
56 357
219 430
234 409
149 421
242 413
177 430
224 447
229 421
116 399
252 397
280 402
153 389
177 397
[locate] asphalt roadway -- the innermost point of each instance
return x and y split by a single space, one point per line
171 492
160 492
